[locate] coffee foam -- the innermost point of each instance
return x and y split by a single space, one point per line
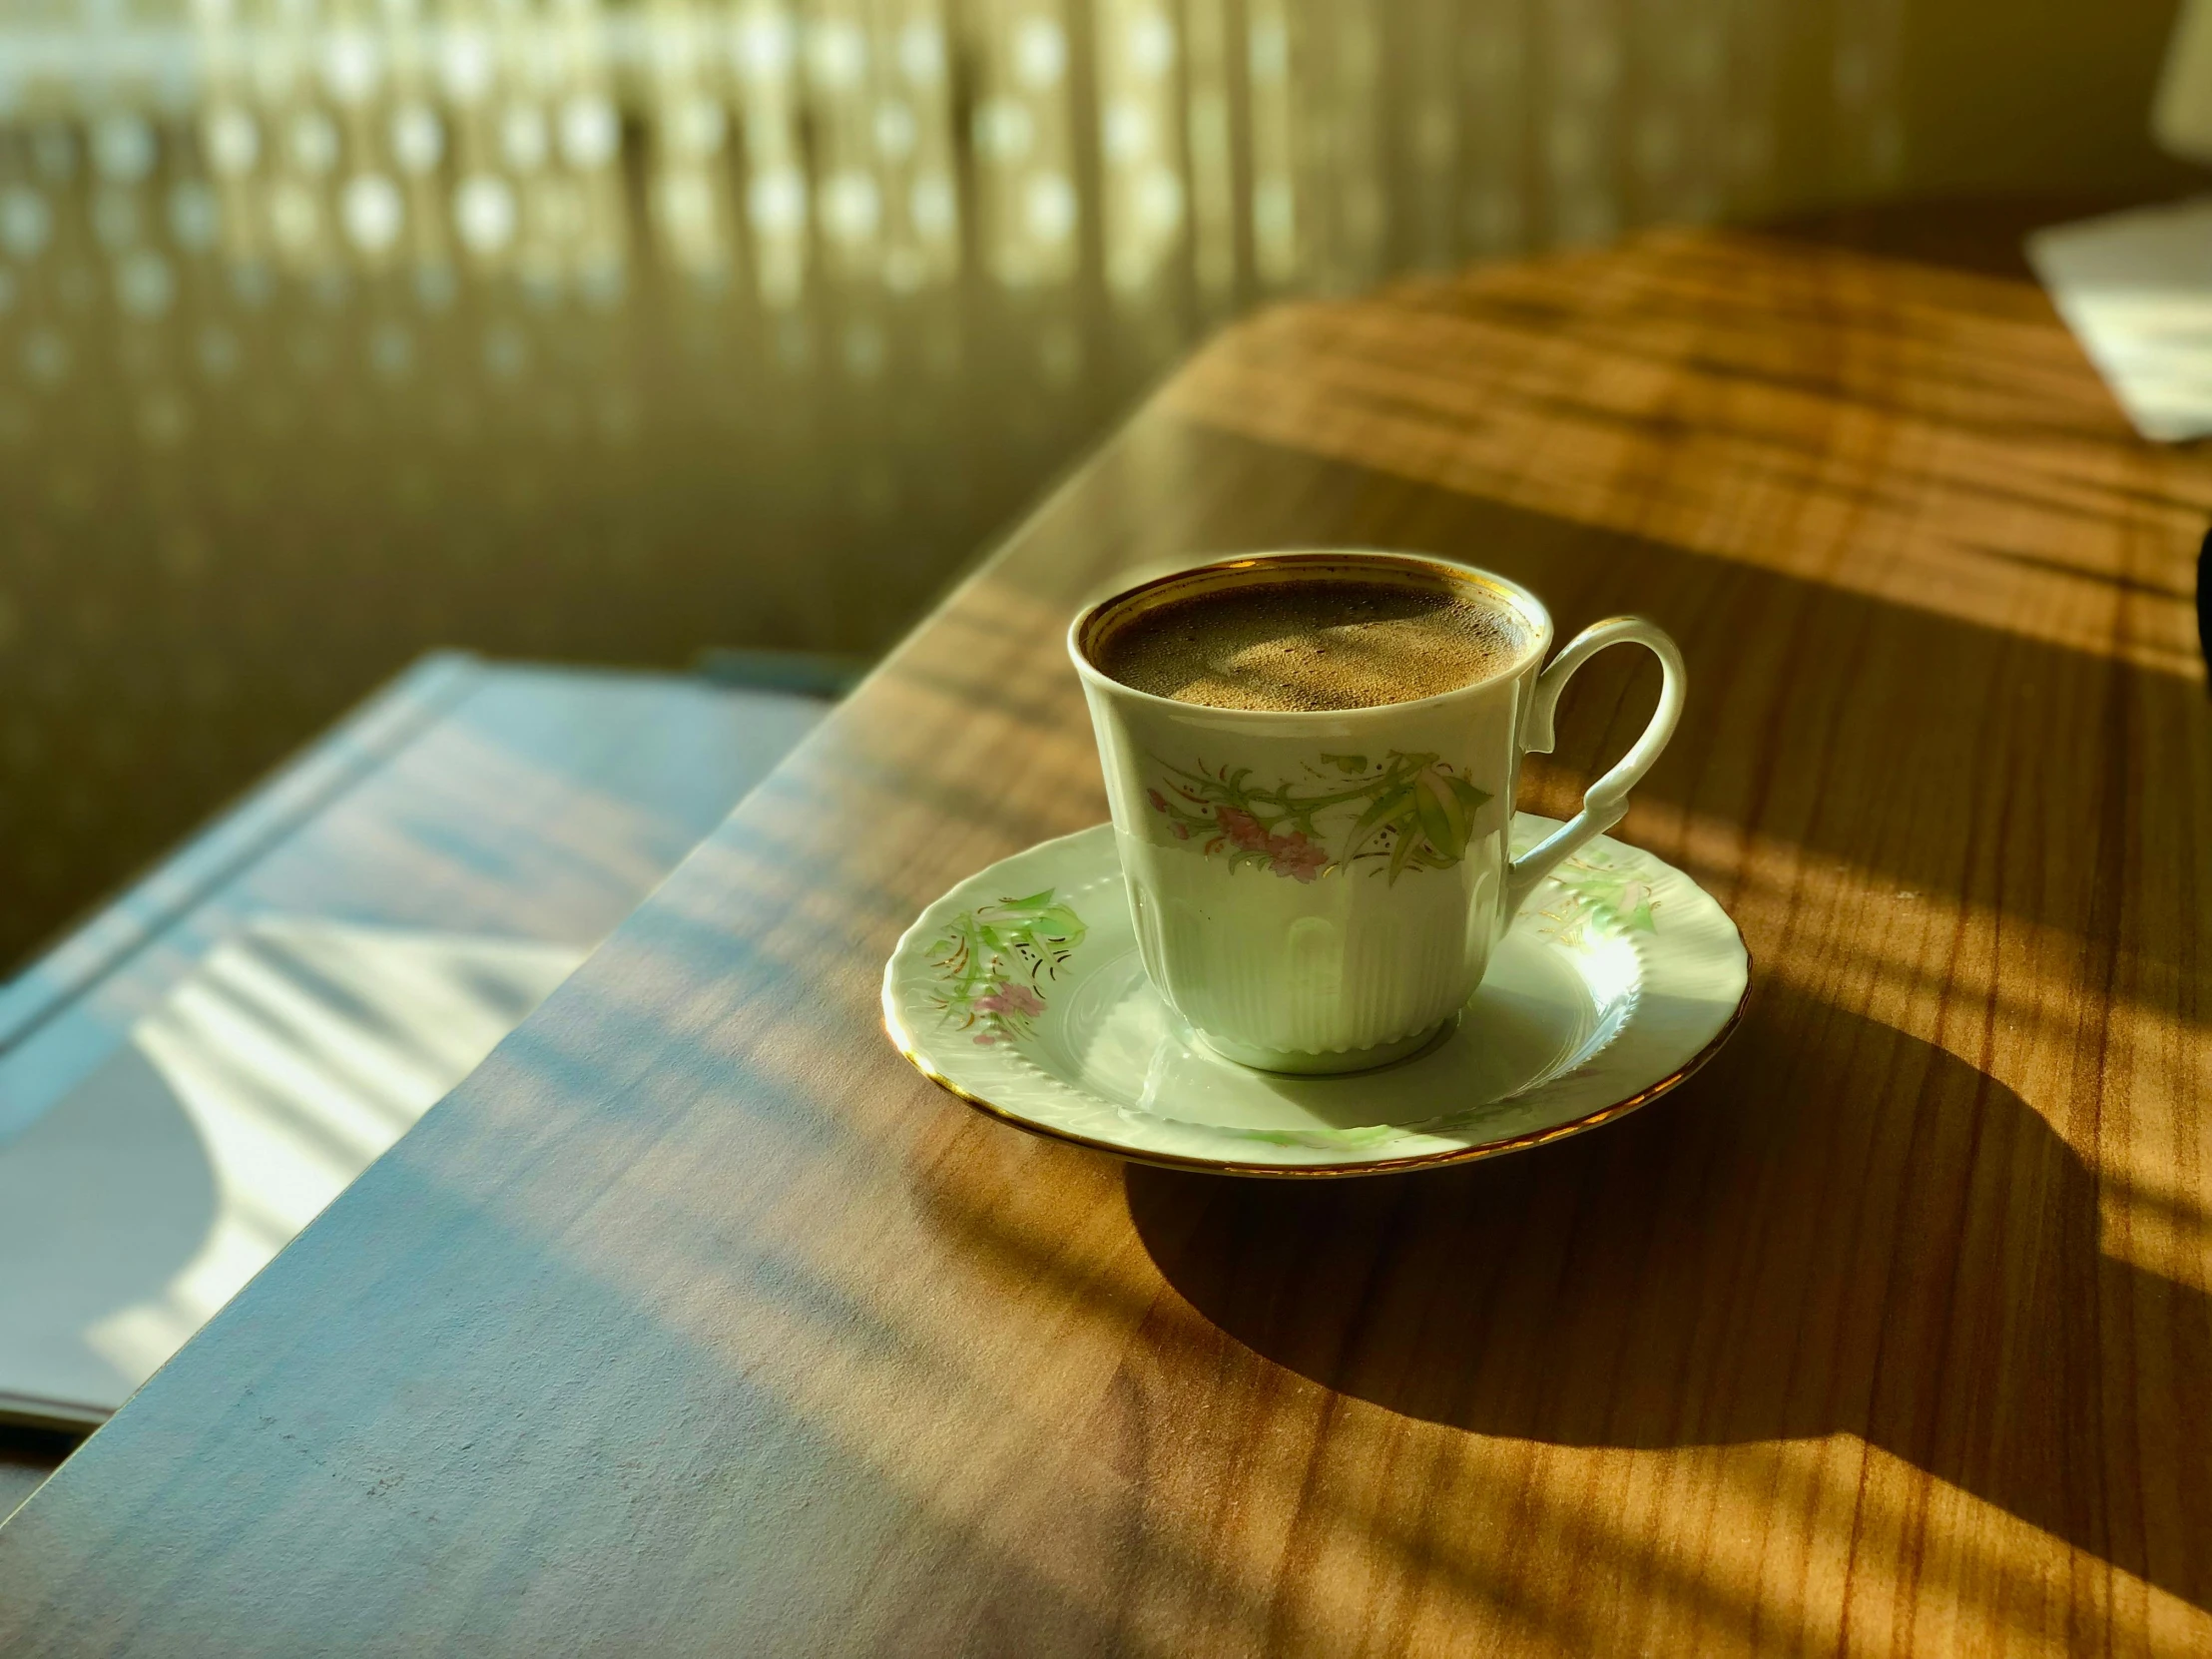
1313 643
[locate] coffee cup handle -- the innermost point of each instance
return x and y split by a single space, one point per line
1605 803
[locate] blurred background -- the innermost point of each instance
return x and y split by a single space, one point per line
619 331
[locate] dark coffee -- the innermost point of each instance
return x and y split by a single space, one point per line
1314 643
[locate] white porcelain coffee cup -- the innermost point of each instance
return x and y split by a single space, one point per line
1322 891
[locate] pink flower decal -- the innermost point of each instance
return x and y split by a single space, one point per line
1011 998
1297 856
1241 828
1159 801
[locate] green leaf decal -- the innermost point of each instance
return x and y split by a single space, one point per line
1401 852
1469 797
1442 819
1386 808
1598 898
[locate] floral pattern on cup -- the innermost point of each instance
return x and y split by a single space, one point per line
1417 813
1596 895
991 961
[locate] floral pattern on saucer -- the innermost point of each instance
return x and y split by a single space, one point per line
992 960
1595 893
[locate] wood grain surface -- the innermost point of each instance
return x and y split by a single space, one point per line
695 1322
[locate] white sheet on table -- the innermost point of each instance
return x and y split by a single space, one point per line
263 1083
2137 289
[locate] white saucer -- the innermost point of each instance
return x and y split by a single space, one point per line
1020 991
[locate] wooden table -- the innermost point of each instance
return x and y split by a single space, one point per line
695 1322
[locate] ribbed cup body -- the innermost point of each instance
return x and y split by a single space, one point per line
1348 964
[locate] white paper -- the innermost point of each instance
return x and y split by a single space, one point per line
2137 289
266 1081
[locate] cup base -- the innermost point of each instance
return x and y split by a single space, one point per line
1296 1062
